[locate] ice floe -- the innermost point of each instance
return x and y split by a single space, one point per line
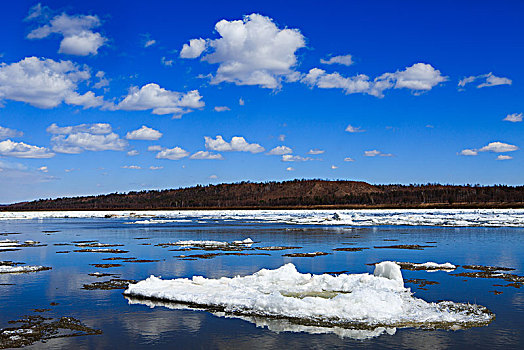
354 300
22 269
426 217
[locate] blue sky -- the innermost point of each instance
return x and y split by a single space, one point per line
107 96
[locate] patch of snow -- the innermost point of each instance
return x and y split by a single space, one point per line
284 292
202 243
21 269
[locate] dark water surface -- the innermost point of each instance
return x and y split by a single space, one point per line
138 326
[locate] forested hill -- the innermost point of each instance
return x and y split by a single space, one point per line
296 193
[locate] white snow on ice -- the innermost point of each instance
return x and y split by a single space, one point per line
365 299
427 217
20 269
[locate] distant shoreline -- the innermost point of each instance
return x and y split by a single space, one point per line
315 207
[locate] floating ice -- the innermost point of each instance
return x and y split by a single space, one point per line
202 243
389 270
21 269
7 244
363 217
361 300
429 266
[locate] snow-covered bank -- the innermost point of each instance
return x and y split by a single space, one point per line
426 217
357 299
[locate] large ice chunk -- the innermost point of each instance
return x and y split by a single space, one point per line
346 299
389 270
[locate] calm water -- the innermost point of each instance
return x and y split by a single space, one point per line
138 326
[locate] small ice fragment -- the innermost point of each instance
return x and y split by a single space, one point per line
389 270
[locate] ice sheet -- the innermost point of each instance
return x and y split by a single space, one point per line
427 217
355 299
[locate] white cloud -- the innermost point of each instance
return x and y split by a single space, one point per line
144 133
154 148
375 153
487 80
150 43
280 150
469 152
282 138
78 37
133 153
102 80
238 144
160 101
498 147
241 102
334 167
43 169
96 128
292 158
252 51
206 155
315 151
45 83
213 176
175 153
85 137
166 62
22 150
222 109
515 118
352 129
152 167
348 159
6 133
417 78
134 167
290 169
345 60
504 157
194 49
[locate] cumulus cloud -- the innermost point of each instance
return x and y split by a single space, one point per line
45 83
134 167
213 176
290 169
352 129
133 153
154 148
292 158
486 80
222 109
280 150
417 78
315 151
469 152
102 80
241 101
6 133
144 133
206 155
515 118
194 49
10 148
175 153
375 153
345 60
495 147
78 36
282 138
498 147
348 159
166 62
96 128
252 51
85 137
334 167
238 144
160 101
152 167
43 169
504 157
